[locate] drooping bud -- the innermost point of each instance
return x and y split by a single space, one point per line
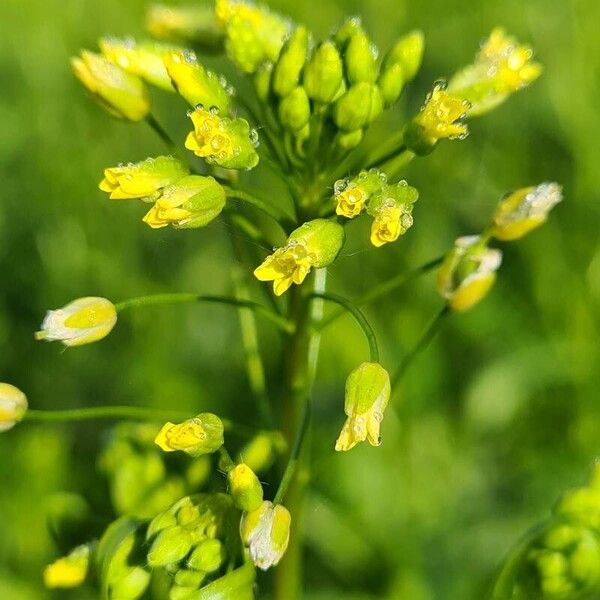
123 95
391 209
351 195
253 33
228 143
323 74
314 244
287 70
13 406
367 395
144 179
83 321
408 53
501 67
245 488
194 83
192 202
360 59
69 571
143 60
201 435
468 273
359 106
195 24
522 211
438 119
266 533
391 83
294 110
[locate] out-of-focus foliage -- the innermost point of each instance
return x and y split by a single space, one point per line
494 421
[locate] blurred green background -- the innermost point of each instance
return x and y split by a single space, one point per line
496 418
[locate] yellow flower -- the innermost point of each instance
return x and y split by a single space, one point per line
367 395
83 321
143 60
266 533
69 571
501 68
201 435
521 211
221 140
193 201
123 95
350 202
144 179
390 222
13 406
439 116
314 244
468 273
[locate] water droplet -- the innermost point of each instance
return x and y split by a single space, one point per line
403 183
199 106
339 186
213 110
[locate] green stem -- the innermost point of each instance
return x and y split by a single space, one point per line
226 463
281 322
161 132
123 412
258 203
385 288
424 341
359 317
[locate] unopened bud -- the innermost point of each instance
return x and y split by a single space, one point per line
367 395
245 488
350 27
169 546
201 435
391 83
208 556
294 109
262 81
13 406
323 74
262 450
360 59
407 52
286 74
349 140
359 106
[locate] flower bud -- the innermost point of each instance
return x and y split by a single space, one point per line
367 395
391 209
245 488
294 110
262 81
144 179
314 244
266 533
143 60
350 27
123 95
207 557
201 435
189 579
253 33
195 24
468 273
70 571
131 585
360 59
359 106
438 119
391 83
194 83
170 546
192 202
323 74
522 211
351 195
13 406
501 68
350 139
221 141
408 53
261 451
83 321
287 70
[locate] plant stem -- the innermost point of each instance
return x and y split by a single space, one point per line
123 412
260 204
300 368
359 317
161 132
281 322
424 341
385 288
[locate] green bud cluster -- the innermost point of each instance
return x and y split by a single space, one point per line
561 559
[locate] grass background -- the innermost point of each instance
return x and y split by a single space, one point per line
496 418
